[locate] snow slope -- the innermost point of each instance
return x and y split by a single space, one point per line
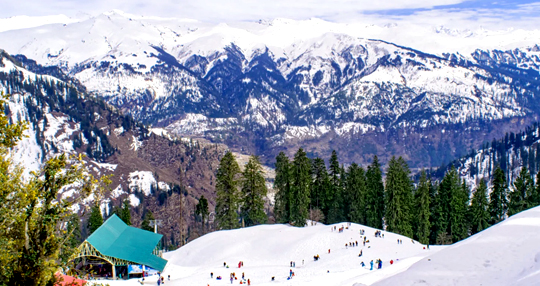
267 250
505 254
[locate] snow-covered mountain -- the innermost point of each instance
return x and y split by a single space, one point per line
278 85
149 166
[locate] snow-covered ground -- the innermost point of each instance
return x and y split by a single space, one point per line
267 251
505 254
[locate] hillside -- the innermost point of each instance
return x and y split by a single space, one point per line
148 169
511 152
269 87
267 251
504 254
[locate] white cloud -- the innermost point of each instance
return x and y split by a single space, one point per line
214 10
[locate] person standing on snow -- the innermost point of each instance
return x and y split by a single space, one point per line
371 265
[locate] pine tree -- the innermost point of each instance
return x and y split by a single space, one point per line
282 185
478 211
356 194
253 193
423 210
533 199
148 216
125 212
459 205
300 187
398 196
522 188
445 201
498 202
201 209
374 195
95 220
334 196
320 185
227 201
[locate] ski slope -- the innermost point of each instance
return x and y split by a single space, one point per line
267 251
505 254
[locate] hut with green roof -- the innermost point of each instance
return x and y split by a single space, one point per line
120 245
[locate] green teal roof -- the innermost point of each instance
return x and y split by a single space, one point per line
117 239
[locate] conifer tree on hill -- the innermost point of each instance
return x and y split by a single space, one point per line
228 196
125 212
498 203
398 196
523 187
533 199
459 205
148 216
374 195
447 189
356 194
319 186
335 193
282 185
478 211
300 188
96 219
423 209
253 193
201 209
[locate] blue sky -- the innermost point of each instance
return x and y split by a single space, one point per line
503 13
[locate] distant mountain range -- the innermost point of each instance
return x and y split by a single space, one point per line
257 93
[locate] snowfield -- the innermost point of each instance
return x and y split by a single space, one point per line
267 251
505 254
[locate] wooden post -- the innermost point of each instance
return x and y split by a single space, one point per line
114 272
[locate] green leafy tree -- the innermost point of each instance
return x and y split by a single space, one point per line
423 209
498 201
228 195
96 219
36 225
374 195
356 194
201 209
398 195
478 211
148 216
523 186
253 193
282 185
300 187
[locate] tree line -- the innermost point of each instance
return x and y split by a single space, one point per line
434 212
239 194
